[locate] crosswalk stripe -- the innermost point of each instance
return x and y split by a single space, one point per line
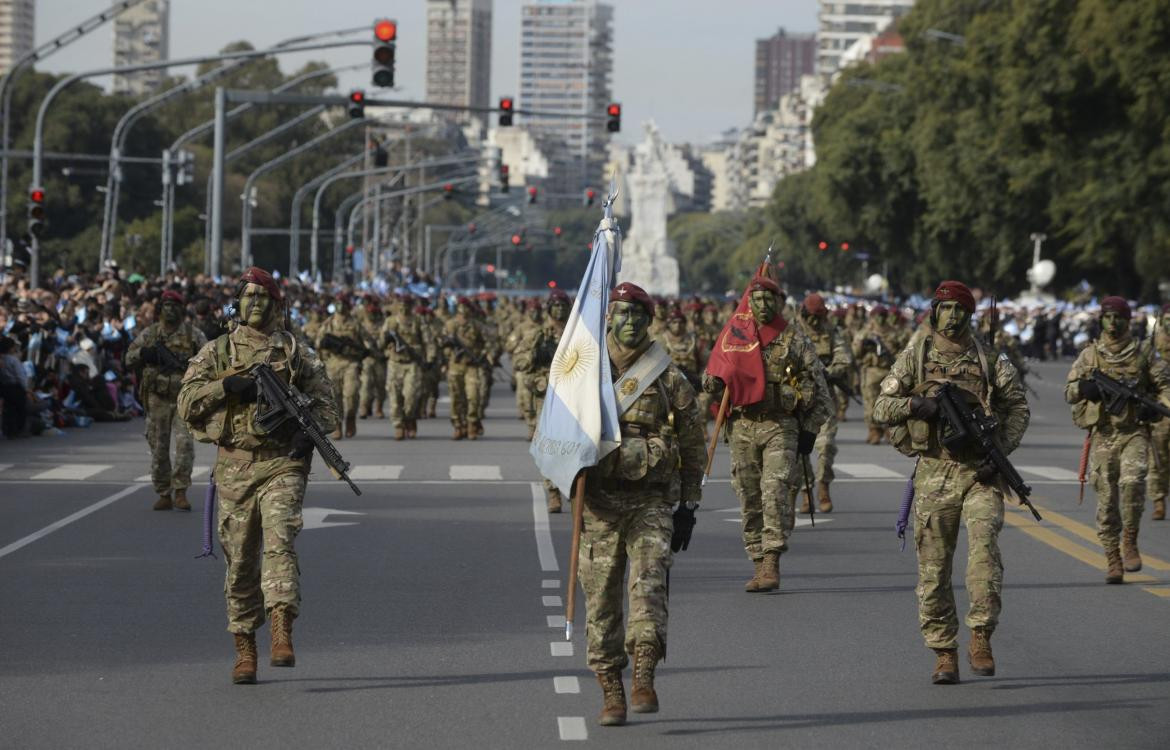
71 472
1049 472
471 471
197 472
572 728
375 471
868 471
5 467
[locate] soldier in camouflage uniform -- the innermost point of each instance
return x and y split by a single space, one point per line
629 498
1159 479
682 345
434 371
533 359
1119 451
953 488
834 356
373 383
524 327
767 437
464 342
159 382
408 349
874 348
492 349
260 477
343 362
658 323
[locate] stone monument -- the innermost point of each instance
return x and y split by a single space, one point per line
648 257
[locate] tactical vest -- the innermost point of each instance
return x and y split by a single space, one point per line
823 341
182 342
349 329
410 331
649 452
1132 370
681 350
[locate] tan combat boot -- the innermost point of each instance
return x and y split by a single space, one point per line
753 585
1115 571
350 425
163 502
459 434
806 504
979 653
336 434
380 412
643 699
531 432
411 429
946 667
399 433
280 624
181 500
478 427
770 572
244 671
826 502
554 500
874 437
1129 551
613 709
1159 510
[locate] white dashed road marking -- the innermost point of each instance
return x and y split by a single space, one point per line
868 471
572 727
550 583
544 545
375 471
565 685
67 520
1050 472
550 601
71 472
475 472
555 621
561 648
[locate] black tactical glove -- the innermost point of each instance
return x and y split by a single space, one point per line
805 442
1090 391
923 408
242 386
684 526
986 472
302 446
150 355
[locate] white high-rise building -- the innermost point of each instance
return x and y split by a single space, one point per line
566 60
141 35
17 19
840 24
459 55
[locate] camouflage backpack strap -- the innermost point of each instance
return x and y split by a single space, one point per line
988 380
223 355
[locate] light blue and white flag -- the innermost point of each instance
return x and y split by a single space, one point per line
578 425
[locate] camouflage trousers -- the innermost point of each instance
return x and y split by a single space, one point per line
1159 477
373 385
766 476
524 398
346 375
259 517
430 397
161 423
946 494
1118 464
404 386
463 382
871 388
486 380
826 447
637 534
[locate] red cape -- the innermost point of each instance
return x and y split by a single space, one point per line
737 357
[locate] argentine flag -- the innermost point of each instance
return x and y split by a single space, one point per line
578 425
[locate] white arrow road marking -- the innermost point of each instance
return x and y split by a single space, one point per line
314 518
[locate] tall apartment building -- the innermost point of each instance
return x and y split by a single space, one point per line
780 62
840 24
16 31
566 60
459 55
141 35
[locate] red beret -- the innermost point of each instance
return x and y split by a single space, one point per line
840 312
1116 305
627 292
675 313
534 304
764 284
557 295
1166 308
814 304
463 301
171 295
956 291
259 276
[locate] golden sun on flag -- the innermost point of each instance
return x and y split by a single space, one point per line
570 363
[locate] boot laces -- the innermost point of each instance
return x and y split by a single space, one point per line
280 626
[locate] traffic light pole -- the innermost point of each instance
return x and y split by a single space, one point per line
40 53
294 259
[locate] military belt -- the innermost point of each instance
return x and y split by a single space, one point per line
633 429
614 484
252 456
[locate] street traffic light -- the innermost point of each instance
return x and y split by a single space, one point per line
532 194
504 178
822 246
185 172
517 239
448 191
557 232
506 109
36 211
590 196
614 114
357 104
845 246
385 34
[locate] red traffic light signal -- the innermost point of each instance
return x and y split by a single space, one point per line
556 231
448 191
357 104
506 109
349 249
36 211
590 196
613 114
504 173
517 239
386 30
532 194
490 268
845 246
471 228
36 195
552 285
822 245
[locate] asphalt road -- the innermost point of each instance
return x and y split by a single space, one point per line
432 613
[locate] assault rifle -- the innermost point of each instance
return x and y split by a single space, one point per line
392 337
461 352
965 427
344 346
280 402
1116 395
168 361
842 385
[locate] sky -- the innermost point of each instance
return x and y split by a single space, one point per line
686 64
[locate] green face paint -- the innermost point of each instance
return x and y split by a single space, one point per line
629 323
172 313
1114 324
558 311
764 305
256 307
950 319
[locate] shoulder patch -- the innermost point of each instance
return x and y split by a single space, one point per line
890 386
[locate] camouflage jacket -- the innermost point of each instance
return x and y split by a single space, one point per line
184 341
413 333
831 351
795 383
684 352
468 334
346 328
1134 363
214 417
